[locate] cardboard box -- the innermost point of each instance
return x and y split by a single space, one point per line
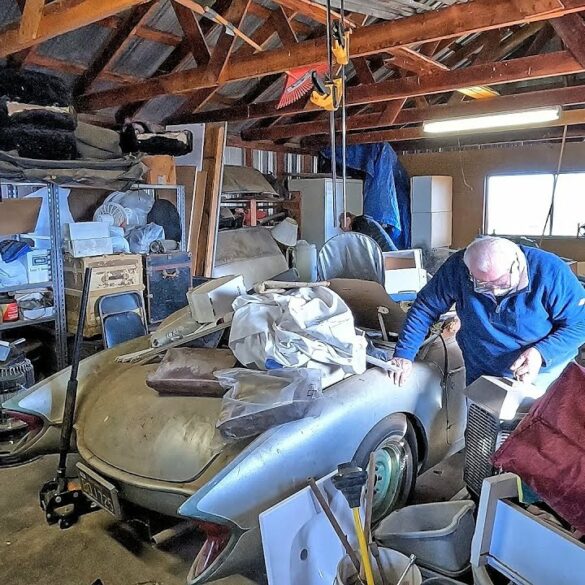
38 265
580 268
161 170
213 299
87 230
19 216
90 247
431 194
404 271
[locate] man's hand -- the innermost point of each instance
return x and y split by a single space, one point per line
404 368
527 366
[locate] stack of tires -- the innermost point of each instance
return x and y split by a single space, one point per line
36 117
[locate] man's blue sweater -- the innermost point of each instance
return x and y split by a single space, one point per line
549 314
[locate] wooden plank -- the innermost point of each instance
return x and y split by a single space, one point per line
213 151
550 97
193 33
219 59
315 11
60 17
191 180
569 118
30 20
454 21
157 36
283 27
571 29
535 67
388 116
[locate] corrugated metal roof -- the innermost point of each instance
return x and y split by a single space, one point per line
141 58
159 108
163 18
79 46
9 12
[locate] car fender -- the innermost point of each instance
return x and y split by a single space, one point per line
278 463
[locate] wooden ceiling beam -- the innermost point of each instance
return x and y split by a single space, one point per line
454 21
39 60
157 36
173 62
571 29
30 20
550 97
193 33
60 17
569 118
219 58
514 70
283 27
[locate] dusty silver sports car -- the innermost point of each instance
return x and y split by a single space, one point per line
162 452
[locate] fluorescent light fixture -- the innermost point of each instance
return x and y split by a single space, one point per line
493 121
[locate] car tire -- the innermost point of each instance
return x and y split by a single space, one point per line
394 442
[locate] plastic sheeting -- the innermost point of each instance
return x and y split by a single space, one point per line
386 187
351 255
309 327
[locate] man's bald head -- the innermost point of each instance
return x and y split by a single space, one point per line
489 259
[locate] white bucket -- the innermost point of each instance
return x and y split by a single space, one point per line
393 564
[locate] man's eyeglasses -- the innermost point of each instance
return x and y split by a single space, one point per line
504 282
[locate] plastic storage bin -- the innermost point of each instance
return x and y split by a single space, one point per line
438 534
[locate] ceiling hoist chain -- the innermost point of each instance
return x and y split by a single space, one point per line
329 94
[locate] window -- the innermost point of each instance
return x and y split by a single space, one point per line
518 205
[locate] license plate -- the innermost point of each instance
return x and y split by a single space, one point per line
99 490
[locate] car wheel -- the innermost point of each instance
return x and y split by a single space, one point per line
393 442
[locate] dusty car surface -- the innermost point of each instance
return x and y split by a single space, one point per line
163 453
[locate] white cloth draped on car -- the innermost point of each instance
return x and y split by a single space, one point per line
307 327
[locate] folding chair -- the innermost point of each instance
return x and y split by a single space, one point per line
123 317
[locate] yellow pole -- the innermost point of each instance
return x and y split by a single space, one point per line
363 547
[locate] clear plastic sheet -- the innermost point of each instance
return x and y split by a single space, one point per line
257 401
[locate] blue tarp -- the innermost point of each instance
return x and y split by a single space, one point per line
386 188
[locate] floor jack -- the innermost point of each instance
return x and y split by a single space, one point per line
62 499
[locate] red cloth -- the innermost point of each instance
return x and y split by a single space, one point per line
547 449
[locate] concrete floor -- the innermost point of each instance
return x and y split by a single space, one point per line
31 552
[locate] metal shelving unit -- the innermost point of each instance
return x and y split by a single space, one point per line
11 190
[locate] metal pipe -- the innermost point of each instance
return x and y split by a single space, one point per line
343 122
71 395
334 524
332 114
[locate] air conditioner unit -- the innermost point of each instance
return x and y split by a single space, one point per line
495 408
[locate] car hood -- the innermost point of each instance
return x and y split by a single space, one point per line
131 427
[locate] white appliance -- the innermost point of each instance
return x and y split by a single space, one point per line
432 211
317 219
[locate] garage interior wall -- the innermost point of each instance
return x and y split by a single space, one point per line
470 168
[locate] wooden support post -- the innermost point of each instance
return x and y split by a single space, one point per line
213 151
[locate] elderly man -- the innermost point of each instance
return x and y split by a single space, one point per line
522 312
364 224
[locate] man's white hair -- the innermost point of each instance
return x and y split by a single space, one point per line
491 254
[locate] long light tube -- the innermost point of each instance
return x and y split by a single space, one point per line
493 121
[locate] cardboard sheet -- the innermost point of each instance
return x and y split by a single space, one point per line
19 216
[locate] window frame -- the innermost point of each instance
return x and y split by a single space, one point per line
547 236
